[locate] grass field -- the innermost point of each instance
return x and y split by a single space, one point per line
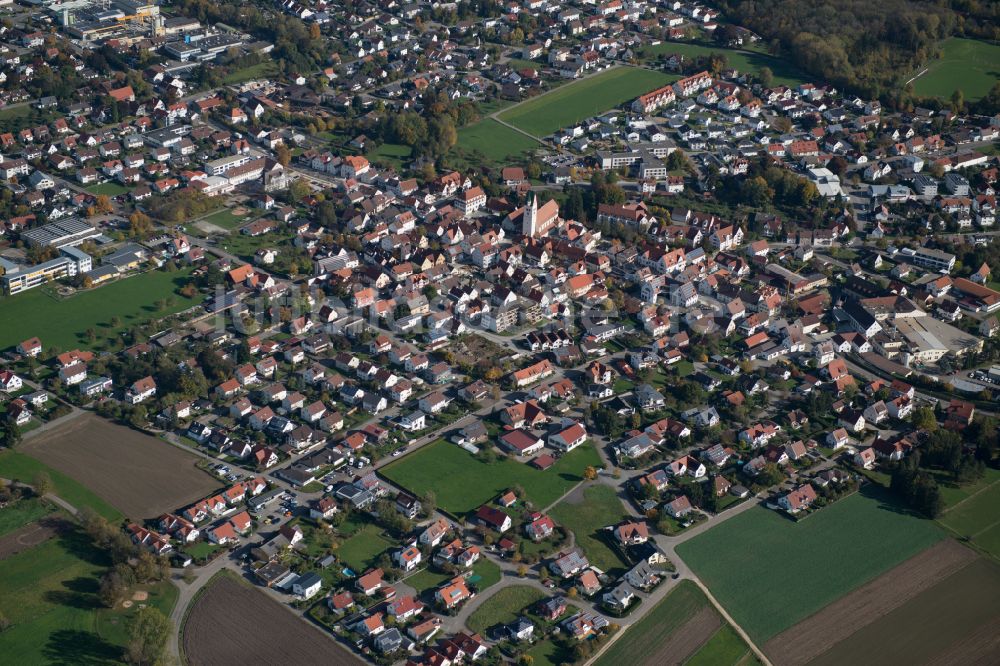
747 561
462 482
485 573
14 465
599 508
112 624
258 71
725 648
363 548
969 65
225 219
582 99
976 519
495 142
63 323
21 513
642 639
393 154
503 607
111 189
785 73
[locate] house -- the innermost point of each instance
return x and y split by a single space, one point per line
865 458
798 499
9 382
539 527
618 598
568 438
679 507
370 582
141 390
631 533
407 558
308 585
566 565
453 593
492 518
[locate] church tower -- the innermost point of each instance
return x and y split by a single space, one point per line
529 226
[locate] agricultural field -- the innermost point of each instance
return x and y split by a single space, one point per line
785 73
63 323
503 607
139 475
582 99
738 559
14 465
683 625
215 631
956 621
462 482
975 518
969 65
586 513
491 141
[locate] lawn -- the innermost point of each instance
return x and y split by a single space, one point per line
656 626
503 607
14 465
264 69
393 154
63 323
463 483
112 624
492 141
246 246
785 73
21 513
977 519
225 219
484 574
362 549
109 188
838 549
968 65
724 648
582 99
600 507
549 653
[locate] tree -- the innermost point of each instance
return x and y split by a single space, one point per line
42 483
590 473
923 418
766 77
112 589
282 153
148 633
299 190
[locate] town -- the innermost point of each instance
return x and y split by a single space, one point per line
519 332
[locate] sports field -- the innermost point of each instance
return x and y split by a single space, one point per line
969 65
582 99
64 323
492 141
462 482
770 572
785 73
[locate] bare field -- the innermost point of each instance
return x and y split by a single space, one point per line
231 623
30 536
955 621
687 639
841 619
139 475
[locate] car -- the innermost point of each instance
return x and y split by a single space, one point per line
398 452
328 489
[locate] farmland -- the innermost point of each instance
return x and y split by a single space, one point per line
586 513
785 73
738 559
462 482
955 621
139 475
968 65
577 101
492 141
215 630
64 323
976 519
14 465
681 625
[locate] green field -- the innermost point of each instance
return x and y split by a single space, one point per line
225 219
969 65
393 154
362 549
49 595
582 99
770 572
484 574
63 323
462 482
21 513
503 607
656 626
110 188
600 507
14 465
785 73
261 70
977 519
493 141
724 648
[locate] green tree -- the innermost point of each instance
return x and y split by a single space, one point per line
148 634
42 483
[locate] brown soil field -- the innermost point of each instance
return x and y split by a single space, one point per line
30 536
686 640
231 624
138 474
957 621
841 619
